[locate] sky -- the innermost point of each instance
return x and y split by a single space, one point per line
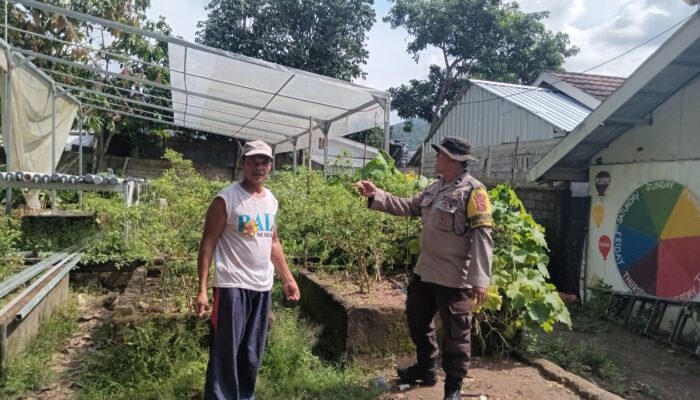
602 29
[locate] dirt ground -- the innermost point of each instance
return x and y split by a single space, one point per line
653 370
497 379
93 310
491 379
389 292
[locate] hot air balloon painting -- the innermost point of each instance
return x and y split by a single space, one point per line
604 245
602 181
598 213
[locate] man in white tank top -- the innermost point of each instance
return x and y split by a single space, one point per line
240 234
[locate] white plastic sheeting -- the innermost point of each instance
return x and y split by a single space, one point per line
32 123
233 95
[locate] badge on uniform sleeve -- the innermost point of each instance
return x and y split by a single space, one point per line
479 209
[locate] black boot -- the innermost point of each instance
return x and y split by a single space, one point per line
424 372
453 388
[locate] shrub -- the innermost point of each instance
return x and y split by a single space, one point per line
520 298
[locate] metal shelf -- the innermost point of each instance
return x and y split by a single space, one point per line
88 187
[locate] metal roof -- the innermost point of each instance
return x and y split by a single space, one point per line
550 106
228 94
674 64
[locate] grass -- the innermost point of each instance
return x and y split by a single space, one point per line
166 359
587 360
28 371
157 359
291 371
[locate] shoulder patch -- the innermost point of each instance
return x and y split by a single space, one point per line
479 209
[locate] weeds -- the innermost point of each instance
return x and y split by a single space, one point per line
584 359
163 359
28 371
168 359
291 371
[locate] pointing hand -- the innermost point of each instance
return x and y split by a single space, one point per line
366 188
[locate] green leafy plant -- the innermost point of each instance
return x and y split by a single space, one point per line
10 236
520 298
165 228
383 172
330 223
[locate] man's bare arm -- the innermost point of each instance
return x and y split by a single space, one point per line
291 290
213 226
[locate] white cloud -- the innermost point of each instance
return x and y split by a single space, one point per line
562 12
607 28
601 28
389 64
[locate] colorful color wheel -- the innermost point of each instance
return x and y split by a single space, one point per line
657 241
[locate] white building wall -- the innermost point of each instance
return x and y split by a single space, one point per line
674 135
668 150
625 179
344 151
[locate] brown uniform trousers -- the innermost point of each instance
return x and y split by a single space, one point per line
454 307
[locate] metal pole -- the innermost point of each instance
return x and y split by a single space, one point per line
125 193
6 1
308 173
80 152
273 157
364 151
387 123
294 156
311 134
326 129
39 296
7 125
53 141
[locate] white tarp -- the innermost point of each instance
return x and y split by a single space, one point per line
243 97
32 124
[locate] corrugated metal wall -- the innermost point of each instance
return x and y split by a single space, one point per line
487 120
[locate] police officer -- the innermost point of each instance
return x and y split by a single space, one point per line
453 272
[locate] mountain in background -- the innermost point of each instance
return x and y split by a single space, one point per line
415 137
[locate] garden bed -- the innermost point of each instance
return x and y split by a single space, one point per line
355 324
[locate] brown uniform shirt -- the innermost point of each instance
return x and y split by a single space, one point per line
456 243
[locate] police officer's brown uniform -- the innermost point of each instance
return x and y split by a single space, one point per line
456 254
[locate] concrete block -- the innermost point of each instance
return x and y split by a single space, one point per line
127 301
15 335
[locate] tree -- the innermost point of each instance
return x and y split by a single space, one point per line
322 36
489 39
77 35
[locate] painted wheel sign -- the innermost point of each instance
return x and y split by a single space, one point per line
657 241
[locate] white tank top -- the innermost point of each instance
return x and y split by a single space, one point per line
242 253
